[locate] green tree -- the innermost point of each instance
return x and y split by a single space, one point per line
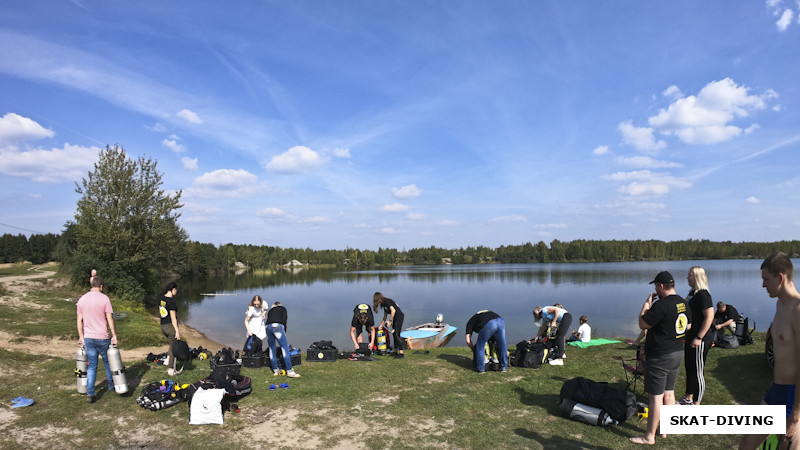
125 225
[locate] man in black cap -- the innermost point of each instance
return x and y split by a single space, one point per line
666 321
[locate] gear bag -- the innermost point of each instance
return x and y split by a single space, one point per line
618 403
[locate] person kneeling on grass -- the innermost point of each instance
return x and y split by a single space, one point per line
584 333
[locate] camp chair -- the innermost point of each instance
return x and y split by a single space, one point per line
634 368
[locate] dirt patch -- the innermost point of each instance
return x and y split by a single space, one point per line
265 421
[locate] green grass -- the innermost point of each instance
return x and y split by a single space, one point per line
16 269
423 401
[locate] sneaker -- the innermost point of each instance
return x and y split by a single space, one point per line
292 374
503 370
90 398
563 356
399 356
556 362
276 373
171 372
685 401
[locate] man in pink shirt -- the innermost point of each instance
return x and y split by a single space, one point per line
94 320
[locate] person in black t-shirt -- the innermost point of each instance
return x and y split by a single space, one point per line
667 321
276 335
168 310
488 325
395 322
363 321
699 337
726 317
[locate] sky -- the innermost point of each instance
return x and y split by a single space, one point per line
367 124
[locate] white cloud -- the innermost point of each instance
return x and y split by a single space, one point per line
394 207
448 222
295 160
416 216
157 127
341 152
753 199
15 128
409 191
509 219
752 128
190 116
35 196
317 219
601 150
199 213
672 92
173 144
70 163
189 163
705 119
640 138
225 183
645 182
785 20
646 162
551 226
275 214
388 230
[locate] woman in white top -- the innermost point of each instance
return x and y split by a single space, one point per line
255 318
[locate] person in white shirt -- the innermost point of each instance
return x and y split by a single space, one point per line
255 318
584 333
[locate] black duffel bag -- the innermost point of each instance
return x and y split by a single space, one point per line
619 403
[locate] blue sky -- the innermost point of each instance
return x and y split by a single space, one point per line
409 124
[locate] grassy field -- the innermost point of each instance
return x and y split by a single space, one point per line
427 400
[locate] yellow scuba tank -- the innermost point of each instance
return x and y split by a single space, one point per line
380 339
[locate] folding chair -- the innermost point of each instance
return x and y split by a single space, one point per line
634 368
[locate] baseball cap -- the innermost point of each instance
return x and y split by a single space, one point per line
663 278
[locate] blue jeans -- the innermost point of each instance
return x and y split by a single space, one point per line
276 331
96 347
494 328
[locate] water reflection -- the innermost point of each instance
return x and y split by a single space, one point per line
320 301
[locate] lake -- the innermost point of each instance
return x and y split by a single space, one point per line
320 301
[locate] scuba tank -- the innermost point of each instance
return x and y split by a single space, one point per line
380 340
585 413
81 366
117 370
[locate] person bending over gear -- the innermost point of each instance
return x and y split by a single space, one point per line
363 321
488 325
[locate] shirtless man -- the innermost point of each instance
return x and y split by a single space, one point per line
776 273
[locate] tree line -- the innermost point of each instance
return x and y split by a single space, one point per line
193 258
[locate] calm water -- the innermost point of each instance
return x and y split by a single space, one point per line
320 301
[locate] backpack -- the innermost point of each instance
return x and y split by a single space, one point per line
323 345
530 355
235 385
618 403
726 341
180 350
252 346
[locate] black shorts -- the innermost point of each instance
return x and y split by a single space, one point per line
660 372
